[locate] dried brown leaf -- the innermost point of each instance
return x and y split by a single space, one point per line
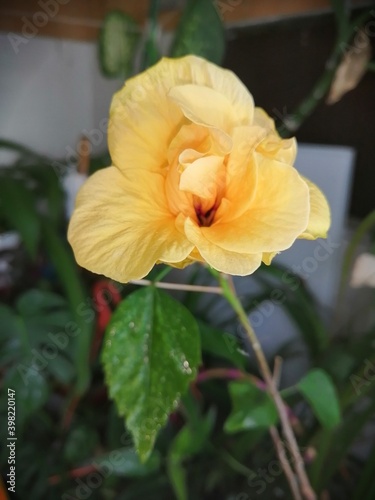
351 69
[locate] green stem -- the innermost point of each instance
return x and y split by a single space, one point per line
342 19
162 274
151 54
233 462
230 294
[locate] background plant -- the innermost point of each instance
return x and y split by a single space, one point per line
216 442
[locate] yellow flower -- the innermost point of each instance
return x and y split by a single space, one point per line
199 174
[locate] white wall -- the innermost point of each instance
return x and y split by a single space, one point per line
50 91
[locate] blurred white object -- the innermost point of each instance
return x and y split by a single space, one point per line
72 183
76 175
363 273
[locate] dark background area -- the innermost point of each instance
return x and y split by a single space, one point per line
280 63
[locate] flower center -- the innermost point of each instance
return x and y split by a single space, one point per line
205 218
196 176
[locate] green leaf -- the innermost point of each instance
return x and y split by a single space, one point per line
177 476
125 462
222 344
62 258
117 42
317 387
192 437
18 208
200 32
151 354
80 443
61 369
31 390
43 313
365 489
188 442
151 52
252 408
37 302
21 149
8 322
333 445
299 303
46 185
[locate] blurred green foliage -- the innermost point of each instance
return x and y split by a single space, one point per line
214 441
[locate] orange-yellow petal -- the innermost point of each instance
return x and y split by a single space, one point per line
320 214
219 258
277 216
203 177
121 226
241 173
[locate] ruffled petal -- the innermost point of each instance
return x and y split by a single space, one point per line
204 106
268 257
121 226
204 177
241 174
143 119
277 216
218 258
320 214
273 146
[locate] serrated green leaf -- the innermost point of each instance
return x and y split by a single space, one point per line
317 387
18 208
200 32
252 408
117 42
151 354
